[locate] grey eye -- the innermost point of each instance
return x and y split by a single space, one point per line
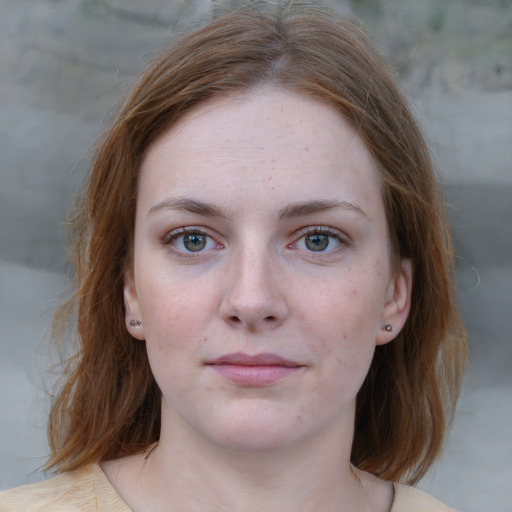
194 242
317 242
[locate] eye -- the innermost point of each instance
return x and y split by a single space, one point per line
194 242
316 242
319 239
190 240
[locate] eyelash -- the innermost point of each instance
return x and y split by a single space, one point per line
172 237
321 231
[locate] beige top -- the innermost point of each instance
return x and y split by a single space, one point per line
88 490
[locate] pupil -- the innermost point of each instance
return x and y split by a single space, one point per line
194 242
317 242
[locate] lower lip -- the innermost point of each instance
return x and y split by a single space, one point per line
249 375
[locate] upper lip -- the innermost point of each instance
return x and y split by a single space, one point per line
263 359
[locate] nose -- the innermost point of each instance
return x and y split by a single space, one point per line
253 297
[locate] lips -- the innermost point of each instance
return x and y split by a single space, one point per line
254 370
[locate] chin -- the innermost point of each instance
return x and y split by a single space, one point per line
257 430
259 439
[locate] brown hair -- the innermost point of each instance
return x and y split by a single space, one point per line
109 404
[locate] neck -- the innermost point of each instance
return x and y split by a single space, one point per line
198 476
288 479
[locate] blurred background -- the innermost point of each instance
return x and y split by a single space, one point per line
63 67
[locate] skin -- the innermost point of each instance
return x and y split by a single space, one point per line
285 251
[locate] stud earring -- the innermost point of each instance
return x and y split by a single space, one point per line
388 328
135 323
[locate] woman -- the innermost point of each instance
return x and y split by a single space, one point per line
264 306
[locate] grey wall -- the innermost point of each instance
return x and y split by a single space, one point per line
63 67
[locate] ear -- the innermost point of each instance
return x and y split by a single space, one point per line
132 314
397 305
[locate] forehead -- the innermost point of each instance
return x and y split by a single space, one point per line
298 146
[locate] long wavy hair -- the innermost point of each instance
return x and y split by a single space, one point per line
108 405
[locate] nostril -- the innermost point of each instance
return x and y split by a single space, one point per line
252 322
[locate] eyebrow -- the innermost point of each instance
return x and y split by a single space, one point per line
301 209
298 209
190 206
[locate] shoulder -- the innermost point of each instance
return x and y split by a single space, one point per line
409 499
84 490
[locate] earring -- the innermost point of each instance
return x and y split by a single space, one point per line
135 323
388 328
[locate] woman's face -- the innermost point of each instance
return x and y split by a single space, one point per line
262 273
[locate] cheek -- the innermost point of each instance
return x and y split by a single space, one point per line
171 302
340 324
174 324
172 334
345 310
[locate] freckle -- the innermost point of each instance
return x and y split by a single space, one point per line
345 336
306 148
